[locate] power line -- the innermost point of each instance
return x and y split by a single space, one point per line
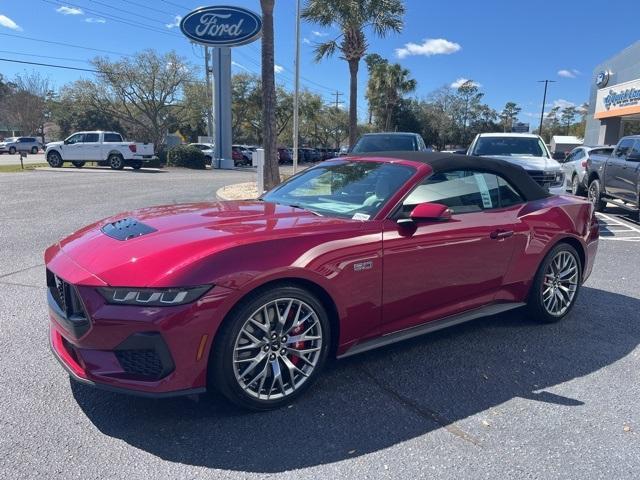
44 56
146 7
175 4
66 44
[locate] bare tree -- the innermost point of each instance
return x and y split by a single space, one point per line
26 103
143 91
269 128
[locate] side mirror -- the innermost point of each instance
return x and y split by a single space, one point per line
634 157
424 212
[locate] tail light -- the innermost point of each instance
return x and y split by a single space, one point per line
584 164
133 147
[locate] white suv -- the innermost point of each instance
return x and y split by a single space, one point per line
13 145
524 149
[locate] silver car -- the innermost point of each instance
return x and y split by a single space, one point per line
574 167
12 145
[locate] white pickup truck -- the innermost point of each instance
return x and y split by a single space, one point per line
106 148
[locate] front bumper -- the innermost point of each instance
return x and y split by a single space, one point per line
147 351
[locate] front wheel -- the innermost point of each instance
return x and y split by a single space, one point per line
576 186
556 284
116 162
595 195
12 150
271 348
54 160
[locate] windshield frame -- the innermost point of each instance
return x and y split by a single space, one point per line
545 151
410 169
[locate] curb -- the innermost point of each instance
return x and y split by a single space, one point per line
223 196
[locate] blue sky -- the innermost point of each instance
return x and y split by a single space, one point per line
505 46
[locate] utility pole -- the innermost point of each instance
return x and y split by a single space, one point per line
338 101
296 90
207 72
544 101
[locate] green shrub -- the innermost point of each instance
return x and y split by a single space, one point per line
186 156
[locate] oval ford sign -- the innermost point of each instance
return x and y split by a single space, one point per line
222 26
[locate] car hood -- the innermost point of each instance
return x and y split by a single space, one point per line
182 235
530 162
53 144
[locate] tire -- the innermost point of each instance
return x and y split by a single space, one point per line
54 160
116 161
595 195
576 186
34 150
232 356
78 164
556 285
136 164
12 150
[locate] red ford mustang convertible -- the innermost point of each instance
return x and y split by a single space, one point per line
252 297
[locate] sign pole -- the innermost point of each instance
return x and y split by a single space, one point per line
222 106
296 91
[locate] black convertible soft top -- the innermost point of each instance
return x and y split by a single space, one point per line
443 162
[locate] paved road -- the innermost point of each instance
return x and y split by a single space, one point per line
497 398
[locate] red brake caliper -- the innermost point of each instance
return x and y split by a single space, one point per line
298 345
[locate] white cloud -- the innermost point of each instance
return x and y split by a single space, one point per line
278 68
568 73
429 47
8 23
95 20
69 11
175 23
306 41
238 65
461 81
316 33
562 103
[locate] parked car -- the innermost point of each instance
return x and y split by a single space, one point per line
575 167
389 142
237 156
13 145
524 149
206 148
284 155
106 148
311 154
252 297
245 152
615 178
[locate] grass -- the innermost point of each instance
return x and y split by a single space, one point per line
17 168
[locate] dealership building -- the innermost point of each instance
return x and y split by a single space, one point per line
614 103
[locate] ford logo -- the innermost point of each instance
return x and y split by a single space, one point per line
222 26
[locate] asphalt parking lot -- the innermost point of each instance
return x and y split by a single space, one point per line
500 397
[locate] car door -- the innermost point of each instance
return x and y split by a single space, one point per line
630 175
616 169
436 269
72 148
90 147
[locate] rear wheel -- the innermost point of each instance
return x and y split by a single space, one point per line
136 164
78 164
271 348
595 195
116 161
576 186
54 159
556 284
34 150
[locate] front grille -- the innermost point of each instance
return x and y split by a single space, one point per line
545 179
67 303
143 363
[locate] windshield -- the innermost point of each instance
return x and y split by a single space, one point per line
510 146
384 143
355 190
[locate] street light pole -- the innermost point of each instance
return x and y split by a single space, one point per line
296 90
544 101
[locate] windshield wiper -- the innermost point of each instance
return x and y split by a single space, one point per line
295 205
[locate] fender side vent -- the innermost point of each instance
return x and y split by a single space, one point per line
126 229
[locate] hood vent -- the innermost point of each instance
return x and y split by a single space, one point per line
126 229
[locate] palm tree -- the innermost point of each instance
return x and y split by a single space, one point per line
269 128
389 84
353 17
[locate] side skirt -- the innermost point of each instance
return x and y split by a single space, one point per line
429 327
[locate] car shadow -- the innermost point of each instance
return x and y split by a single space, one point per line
381 398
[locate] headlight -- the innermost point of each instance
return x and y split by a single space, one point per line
153 297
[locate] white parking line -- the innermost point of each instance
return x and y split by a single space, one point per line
616 229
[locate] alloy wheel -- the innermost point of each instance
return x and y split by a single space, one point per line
560 283
575 185
277 348
594 193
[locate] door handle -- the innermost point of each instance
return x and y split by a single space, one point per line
500 234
